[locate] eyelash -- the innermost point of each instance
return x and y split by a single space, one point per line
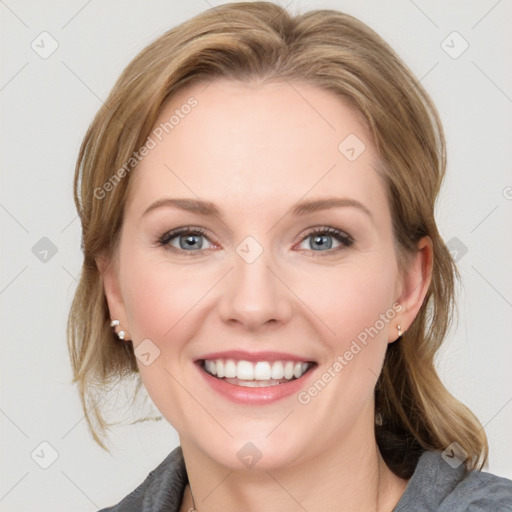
345 239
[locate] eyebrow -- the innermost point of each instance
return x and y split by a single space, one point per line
208 208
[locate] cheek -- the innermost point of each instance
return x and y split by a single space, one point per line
161 301
158 296
355 305
356 302
164 303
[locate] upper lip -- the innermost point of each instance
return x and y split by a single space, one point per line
241 355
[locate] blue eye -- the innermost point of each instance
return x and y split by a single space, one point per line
190 240
322 239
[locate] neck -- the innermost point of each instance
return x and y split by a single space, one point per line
347 477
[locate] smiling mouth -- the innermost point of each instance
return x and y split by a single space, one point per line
258 374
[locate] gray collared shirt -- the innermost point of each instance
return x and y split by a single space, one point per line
434 487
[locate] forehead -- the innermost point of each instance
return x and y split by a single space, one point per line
257 145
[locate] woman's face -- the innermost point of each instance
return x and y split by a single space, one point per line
267 279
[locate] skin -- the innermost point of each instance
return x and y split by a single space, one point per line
255 150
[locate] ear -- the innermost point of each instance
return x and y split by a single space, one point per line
110 276
413 285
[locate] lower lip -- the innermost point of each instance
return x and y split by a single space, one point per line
255 396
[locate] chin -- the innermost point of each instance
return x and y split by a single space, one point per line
256 451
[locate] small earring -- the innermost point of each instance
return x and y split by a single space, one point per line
399 331
378 419
121 334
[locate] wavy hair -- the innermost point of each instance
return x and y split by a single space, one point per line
338 53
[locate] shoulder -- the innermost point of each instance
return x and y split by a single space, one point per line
481 491
161 490
438 486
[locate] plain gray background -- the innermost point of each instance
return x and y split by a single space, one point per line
47 103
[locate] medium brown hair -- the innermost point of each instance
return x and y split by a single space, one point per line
338 53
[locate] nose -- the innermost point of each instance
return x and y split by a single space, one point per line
255 294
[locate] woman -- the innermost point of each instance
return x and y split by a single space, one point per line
257 202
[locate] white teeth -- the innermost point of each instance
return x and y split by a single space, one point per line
244 370
209 366
262 371
277 371
288 370
254 372
257 383
219 364
250 384
230 369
